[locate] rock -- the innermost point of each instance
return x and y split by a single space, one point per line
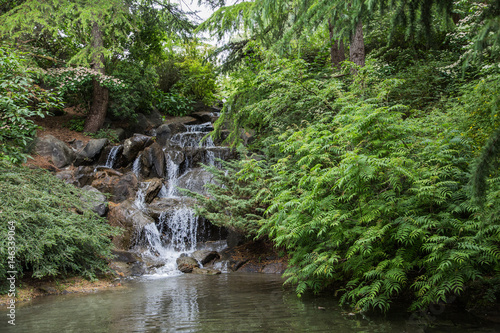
203 116
205 271
166 131
165 205
124 269
131 220
153 161
147 122
76 144
56 150
123 256
132 146
247 136
250 268
121 187
235 238
91 152
67 176
84 175
234 265
194 180
119 133
205 256
154 186
274 268
186 264
99 202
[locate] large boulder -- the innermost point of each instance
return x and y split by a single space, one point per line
153 186
56 150
166 131
153 161
91 152
194 180
165 205
132 146
98 200
186 264
205 256
132 220
121 187
146 123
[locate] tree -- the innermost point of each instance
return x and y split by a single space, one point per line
100 31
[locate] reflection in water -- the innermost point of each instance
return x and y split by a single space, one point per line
195 303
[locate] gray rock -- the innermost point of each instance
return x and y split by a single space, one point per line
56 150
205 256
147 122
123 256
166 131
274 268
132 146
91 152
153 161
194 180
186 264
165 205
84 175
119 133
235 238
98 200
205 271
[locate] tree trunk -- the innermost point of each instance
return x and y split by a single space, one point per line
100 96
357 48
337 54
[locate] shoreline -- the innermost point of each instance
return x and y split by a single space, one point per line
29 288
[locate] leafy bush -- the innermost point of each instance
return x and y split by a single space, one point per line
365 196
173 104
105 133
55 230
20 99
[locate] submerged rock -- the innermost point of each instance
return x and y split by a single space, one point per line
205 271
186 264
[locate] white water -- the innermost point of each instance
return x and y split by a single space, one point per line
176 231
136 167
140 199
111 159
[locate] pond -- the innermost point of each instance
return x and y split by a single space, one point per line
233 302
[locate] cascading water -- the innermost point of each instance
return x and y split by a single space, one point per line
140 199
136 166
111 159
176 229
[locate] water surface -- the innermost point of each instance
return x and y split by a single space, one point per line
224 303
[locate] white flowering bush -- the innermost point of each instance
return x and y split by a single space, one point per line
75 84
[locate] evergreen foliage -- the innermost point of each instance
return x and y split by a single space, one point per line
56 233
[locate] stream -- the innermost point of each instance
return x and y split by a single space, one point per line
234 302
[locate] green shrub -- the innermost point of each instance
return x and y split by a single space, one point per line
20 99
56 233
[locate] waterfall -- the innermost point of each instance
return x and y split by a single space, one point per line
173 176
111 159
140 199
136 166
